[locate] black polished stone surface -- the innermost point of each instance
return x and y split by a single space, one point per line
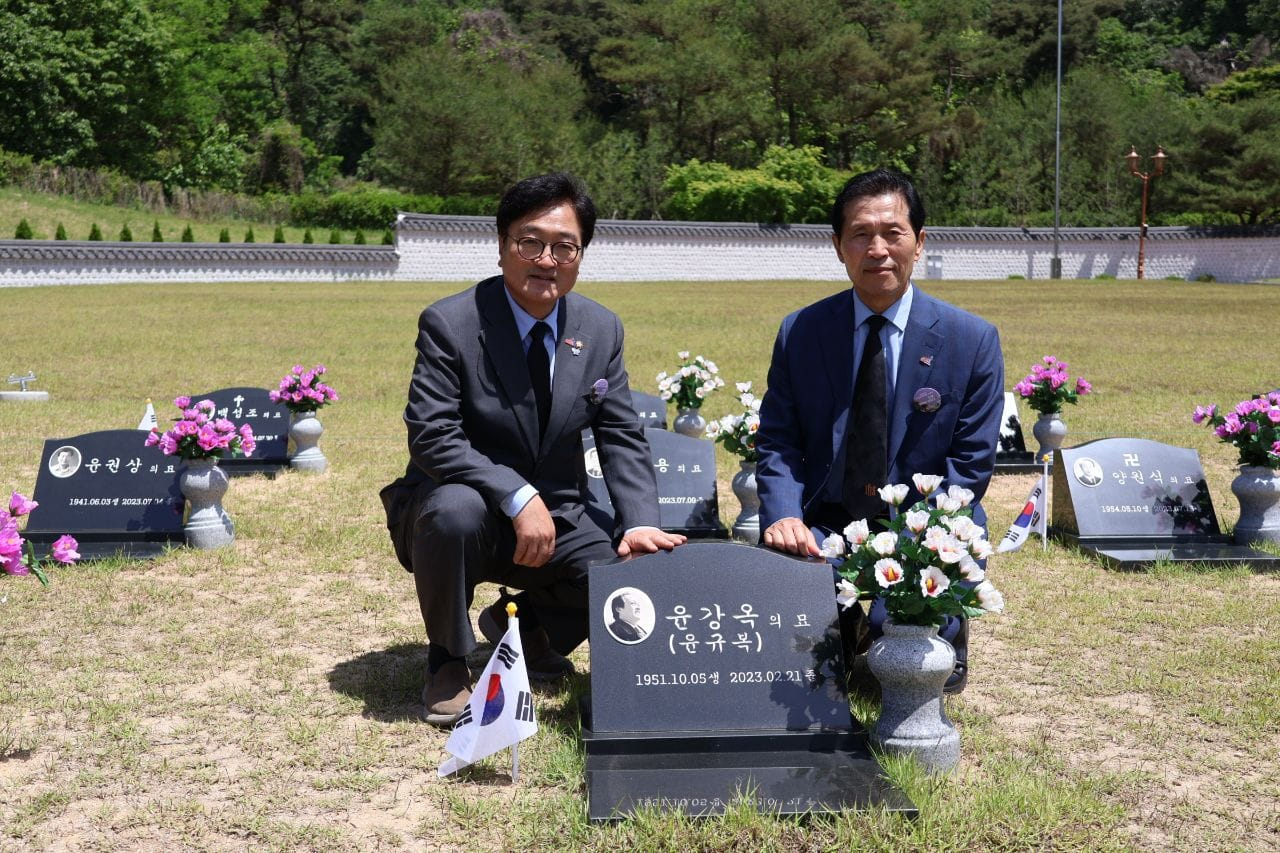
270 423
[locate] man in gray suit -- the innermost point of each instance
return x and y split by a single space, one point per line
508 374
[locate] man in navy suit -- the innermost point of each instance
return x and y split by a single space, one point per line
932 401
508 375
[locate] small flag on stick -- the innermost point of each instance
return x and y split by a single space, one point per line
500 713
1031 519
149 421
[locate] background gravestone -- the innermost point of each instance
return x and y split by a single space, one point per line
1132 501
109 491
1012 456
270 423
651 409
685 469
715 674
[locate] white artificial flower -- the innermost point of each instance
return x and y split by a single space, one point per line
917 520
934 537
990 598
893 494
962 526
952 550
885 543
700 392
933 582
961 494
711 365
753 422
662 375
981 548
755 405
888 572
746 399
666 394
713 429
857 532
832 546
743 387
946 503
926 484
846 593
683 354
719 382
970 569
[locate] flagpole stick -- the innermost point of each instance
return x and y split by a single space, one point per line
513 622
1048 496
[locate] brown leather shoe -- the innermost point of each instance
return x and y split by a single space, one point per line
542 662
446 693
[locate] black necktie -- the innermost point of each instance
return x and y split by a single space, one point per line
866 466
540 371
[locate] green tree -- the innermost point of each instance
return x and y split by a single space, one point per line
95 233
388 238
60 233
126 235
278 236
23 231
306 236
156 235
224 236
248 235
1229 164
359 238
188 236
335 237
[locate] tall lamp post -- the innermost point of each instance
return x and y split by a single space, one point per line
1134 159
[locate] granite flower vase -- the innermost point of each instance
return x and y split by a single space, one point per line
912 664
746 526
305 430
1258 490
1049 430
689 422
203 484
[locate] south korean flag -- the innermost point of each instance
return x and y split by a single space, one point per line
500 713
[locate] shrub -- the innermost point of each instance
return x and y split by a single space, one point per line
388 238
224 236
1206 276
335 236
306 236
1017 277
278 236
23 231
187 235
61 233
248 235
95 233
1104 276
126 236
156 236
359 239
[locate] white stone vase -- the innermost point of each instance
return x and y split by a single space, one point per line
912 663
203 484
689 422
305 430
1049 430
747 525
1258 490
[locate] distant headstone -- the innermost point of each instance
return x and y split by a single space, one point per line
1012 456
23 393
109 491
1132 501
686 472
270 422
714 676
651 409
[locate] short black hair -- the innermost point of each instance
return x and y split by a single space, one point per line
878 182
542 192
619 602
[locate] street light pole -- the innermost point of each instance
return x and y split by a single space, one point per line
1134 159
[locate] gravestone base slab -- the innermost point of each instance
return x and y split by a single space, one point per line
1141 555
1017 463
248 467
108 544
704 773
24 396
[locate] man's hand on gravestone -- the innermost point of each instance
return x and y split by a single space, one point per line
793 536
648 540
535 534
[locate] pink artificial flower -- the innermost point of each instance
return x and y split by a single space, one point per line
168 444
274 395
208 439
223 426
1245 408
207 406
1057 380
182 402
1082 386
64 550
153 438
1230 426
1025 388
247 442
10 539
1203 413
182 429
20 505
1273 415
1049 359
1275 448
14 565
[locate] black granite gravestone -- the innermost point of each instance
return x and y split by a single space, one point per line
686 472
111 492
651 409
1132 502
1012 456
270 423
714 676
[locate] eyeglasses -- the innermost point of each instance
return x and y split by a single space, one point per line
531 249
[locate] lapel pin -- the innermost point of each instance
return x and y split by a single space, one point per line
926 360
598 389
926 400
575 346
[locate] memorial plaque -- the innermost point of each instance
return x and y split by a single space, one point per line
652 410
1012 456
111 492
686 472
714 677
1133 501
270 423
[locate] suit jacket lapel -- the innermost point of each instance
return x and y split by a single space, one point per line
920 344
566 383
501 343
837 356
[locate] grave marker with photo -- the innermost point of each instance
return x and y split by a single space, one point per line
270 423
1012 456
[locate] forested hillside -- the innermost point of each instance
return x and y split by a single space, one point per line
708 109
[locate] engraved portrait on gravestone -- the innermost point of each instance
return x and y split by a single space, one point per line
1088 472
629 615
64 462
591 457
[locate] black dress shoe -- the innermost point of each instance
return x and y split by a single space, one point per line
960 675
